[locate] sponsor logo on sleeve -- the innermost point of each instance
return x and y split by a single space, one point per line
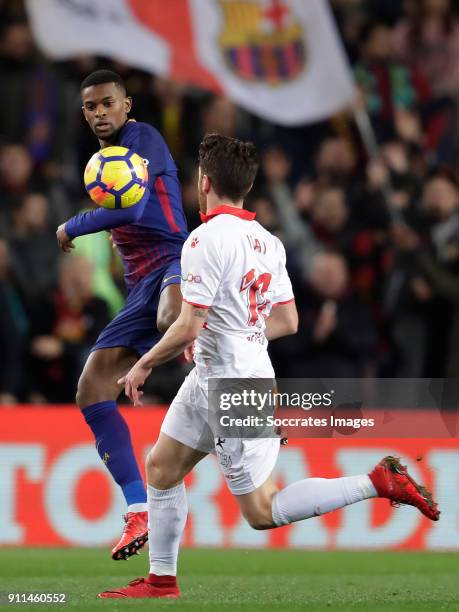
191 278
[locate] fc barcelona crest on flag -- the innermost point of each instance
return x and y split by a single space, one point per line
282 60
262 40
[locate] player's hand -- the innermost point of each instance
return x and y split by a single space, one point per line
63 240
188 353
134 379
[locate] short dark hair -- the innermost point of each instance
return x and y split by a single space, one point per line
230 164
98 77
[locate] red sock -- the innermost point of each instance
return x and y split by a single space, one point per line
162 581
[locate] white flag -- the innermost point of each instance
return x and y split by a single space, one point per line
280 59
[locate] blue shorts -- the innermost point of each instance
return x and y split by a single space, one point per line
135 325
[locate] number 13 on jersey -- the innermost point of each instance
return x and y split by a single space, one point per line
256 287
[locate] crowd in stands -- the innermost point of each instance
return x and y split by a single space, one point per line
372 240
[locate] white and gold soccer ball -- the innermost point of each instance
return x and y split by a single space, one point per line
115 177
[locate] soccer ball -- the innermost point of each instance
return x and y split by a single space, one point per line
115 177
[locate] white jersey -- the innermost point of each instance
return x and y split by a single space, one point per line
234 268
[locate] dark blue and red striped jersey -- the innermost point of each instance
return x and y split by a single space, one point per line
150 234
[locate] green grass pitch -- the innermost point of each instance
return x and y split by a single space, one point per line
227 580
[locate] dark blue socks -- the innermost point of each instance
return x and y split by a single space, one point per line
113 443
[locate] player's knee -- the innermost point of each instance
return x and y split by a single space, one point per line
259 518
150 463
91 390
259 522
160 475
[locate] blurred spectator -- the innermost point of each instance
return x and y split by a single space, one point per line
220 115
441 200
428 39
337 336
107 269
355 233
336 162
175 117
33 247
330 215
283 213
426 319
16 52
439 268
266 215
351 16
13 329
390 86
64 325
19 176
189 181
28 102
372 243
16 170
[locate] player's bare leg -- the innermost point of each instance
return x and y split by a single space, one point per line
267 507
98 381
169 461
170 304
256 507
97 393
96 396
167 464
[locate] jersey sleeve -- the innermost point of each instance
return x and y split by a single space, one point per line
99 219
202 271
150 145
283 292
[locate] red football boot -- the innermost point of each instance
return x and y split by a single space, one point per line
154 587
391 480
135 535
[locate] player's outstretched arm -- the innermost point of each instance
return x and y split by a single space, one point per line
100 219
283 321
179 335
177 338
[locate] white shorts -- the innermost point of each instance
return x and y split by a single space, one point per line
246 463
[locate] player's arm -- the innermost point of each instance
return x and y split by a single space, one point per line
179 335
204 264
100 219
147 143
283 321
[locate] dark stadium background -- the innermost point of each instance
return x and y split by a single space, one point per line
395 288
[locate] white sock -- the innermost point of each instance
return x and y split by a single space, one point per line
167 512
316 496
143 507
